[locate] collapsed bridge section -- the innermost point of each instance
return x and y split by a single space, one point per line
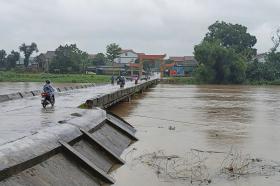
80 151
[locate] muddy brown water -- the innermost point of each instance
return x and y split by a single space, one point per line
175 119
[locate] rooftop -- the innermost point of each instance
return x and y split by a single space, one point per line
181 58
128 50
50 54
151 57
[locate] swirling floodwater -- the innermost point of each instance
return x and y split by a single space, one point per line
202 135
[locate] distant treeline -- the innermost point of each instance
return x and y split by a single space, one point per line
66 59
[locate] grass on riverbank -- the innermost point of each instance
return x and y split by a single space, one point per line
56 78
180 80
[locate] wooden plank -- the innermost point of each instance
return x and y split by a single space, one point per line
93 168
96 141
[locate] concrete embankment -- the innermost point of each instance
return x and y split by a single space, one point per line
81 150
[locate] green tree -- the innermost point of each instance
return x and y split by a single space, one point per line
99 59
113 51
12 59
233 36
223 53
273 65
69 58
27 51
2 58
270 70
218 64
276 40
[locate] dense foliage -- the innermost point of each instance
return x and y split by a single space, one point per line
219 64
259 72
8 61
98 60
12 60
27 51
269 71
223 53
113 51
69 59
233 36
2 58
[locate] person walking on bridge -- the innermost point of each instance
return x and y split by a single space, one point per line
113 80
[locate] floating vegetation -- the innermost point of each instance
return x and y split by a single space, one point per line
172 167
194 167
237 164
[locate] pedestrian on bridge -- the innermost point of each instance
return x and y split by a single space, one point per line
112 80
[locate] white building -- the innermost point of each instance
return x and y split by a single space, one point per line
260 57
126 57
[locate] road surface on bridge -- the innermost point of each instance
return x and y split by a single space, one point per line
24 117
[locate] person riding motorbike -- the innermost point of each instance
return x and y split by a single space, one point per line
121 81
49 90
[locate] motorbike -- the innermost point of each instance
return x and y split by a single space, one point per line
47 99
121 81
122 84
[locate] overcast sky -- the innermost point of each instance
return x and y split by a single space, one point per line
151 26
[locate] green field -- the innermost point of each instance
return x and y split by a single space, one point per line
181 80
56 78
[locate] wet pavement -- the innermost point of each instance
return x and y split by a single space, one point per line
212 121
13 87
23 117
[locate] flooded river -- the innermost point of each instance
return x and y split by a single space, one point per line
209 135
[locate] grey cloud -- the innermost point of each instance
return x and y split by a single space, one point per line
150 26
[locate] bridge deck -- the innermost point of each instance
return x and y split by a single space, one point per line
23 117
64 145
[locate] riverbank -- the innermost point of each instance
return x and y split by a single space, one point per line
56 78
201 135
193 81
263 82
179 80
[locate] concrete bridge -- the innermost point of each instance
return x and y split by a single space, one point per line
65 145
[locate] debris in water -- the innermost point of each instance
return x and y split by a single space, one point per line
194 169
173 167
237 164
